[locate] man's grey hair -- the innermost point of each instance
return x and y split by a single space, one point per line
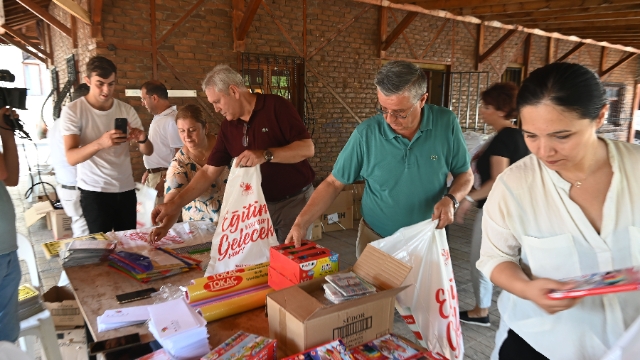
401 78
221 77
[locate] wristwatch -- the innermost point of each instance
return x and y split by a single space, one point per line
454 200
146 138
268 155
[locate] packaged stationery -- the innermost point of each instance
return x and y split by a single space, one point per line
334 350
601 283
350 284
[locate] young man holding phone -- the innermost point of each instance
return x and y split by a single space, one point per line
98 143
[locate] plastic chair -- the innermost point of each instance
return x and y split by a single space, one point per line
41 324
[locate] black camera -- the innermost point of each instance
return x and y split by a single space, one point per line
15 98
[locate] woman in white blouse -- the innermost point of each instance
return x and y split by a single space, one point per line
570 208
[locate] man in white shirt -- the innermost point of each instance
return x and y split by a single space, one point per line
68 193
163 133
105 177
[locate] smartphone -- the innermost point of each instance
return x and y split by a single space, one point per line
121 124
115 343
132 352
135 295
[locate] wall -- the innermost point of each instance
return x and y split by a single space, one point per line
346 66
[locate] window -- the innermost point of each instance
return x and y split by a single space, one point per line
614 94
273 74
32 80
513 74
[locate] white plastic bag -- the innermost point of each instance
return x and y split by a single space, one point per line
430 307
146 198
245 232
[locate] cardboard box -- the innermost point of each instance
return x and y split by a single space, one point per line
300 264
57 220
343 207
301 318
64 308
316 232
73 344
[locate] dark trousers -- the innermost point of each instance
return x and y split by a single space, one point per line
109 211
515 348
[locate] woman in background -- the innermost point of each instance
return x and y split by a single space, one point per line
186 163
569 209
498 110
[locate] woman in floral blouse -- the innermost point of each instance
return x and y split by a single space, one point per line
187 161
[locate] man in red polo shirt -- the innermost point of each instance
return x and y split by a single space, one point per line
261 129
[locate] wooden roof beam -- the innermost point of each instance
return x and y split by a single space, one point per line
611 29
22 47
75 10
581 18
476 8
496 46
247 19
617 64
573 50
398 30
44 15
584 24
523 15
17 34
453 4
96 19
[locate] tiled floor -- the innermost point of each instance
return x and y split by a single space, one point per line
478 341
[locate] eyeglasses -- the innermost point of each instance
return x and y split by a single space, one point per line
245 138
380 110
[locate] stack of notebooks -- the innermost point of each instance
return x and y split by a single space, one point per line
346 286
29 303
161 263
86 251
52 248
179 329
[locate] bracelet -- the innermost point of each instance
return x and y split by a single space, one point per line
146 138
469 199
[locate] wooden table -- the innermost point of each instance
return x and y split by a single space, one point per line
96 287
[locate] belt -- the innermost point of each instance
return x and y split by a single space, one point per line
370 228
304 189
68 187
156 170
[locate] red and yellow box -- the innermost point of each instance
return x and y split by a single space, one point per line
290 265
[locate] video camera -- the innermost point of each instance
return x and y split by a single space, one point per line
15 98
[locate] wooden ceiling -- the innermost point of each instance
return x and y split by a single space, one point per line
23 20
613 21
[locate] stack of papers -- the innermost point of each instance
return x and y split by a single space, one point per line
53 248
86 251
159 264
179 329
346 286
117 318
29 302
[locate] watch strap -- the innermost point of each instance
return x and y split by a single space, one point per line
453 199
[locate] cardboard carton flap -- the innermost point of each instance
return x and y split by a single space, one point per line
36 212
380 268
332 309
297 302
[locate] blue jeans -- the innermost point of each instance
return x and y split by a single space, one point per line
10 276
482 286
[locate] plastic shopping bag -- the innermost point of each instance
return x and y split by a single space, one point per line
146 198
430 307
245 232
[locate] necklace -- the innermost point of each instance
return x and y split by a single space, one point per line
192 155
578 183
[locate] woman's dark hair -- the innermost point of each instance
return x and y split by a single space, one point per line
194 112
502 96
569 86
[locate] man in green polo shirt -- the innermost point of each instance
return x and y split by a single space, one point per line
404 154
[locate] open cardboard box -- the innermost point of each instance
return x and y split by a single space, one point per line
57 220
301 318
62 304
